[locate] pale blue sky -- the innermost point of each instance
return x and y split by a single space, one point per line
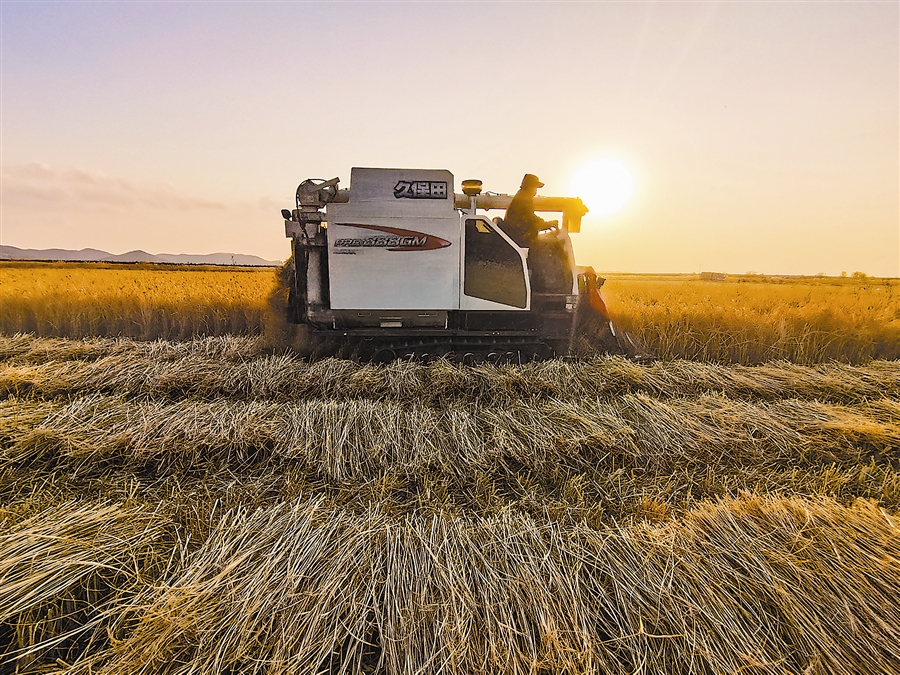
763 136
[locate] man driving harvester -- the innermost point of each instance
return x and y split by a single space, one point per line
546 258
523 225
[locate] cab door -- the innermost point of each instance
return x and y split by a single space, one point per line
492 268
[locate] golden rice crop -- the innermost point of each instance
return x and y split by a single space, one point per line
142 301
751 320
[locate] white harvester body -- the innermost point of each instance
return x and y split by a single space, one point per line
402 261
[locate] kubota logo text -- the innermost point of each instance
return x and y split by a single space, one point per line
393 239
420 189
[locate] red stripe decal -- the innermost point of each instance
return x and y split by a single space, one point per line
413 240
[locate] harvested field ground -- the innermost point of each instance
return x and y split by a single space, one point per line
209 506
201 500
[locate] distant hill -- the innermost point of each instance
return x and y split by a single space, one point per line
93 255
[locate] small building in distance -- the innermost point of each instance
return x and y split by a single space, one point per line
713 276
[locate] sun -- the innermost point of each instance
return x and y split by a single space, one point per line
605 186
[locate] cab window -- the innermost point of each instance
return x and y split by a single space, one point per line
493 268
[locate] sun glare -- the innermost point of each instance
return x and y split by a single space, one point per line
605 186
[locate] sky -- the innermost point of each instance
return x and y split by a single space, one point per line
762 136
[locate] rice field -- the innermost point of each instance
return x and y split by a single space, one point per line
747 319
750 319
214 505
142 301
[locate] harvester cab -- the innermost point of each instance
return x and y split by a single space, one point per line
400 265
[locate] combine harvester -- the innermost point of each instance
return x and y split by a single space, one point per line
399 266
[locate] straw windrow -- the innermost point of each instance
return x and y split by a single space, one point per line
361 440
67 571
774 585
235 367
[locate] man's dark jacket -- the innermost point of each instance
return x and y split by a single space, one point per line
521 224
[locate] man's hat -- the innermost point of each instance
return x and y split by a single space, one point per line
530 180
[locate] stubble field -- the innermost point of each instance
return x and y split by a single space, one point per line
203 501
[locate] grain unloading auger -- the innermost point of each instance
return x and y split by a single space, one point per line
399 265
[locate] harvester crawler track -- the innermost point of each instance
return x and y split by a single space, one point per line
469 350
